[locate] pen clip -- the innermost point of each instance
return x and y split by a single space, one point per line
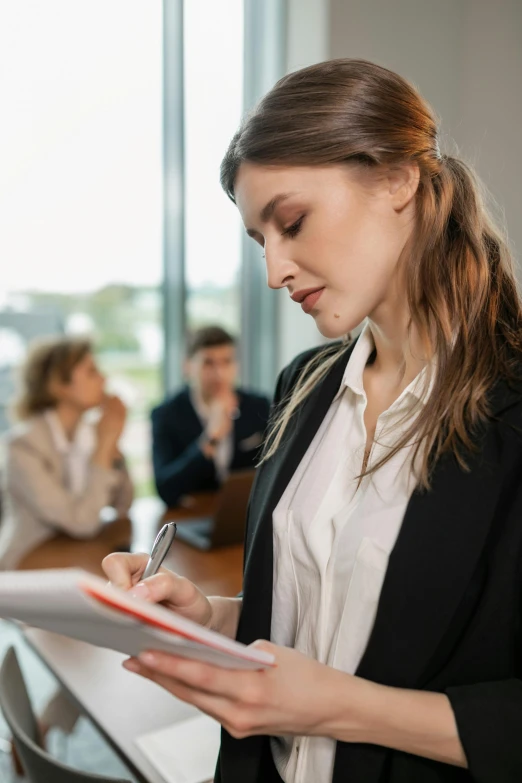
159 538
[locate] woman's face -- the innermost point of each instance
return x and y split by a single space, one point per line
334 231
86 388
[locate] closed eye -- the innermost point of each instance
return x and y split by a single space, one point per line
294 229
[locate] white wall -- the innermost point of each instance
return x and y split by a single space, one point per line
489 116
465 56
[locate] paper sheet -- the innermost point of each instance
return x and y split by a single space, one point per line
185 752
76 604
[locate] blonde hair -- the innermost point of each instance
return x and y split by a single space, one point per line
461 287
47 361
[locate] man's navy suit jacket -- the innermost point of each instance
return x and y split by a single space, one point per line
180 467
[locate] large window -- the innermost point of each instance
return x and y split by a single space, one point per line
115 117
80 191
213 101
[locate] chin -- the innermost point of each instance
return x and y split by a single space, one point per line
335 328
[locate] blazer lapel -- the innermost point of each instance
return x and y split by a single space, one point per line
191 420
271 481
443 534
41 439
240 759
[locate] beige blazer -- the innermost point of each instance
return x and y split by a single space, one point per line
36 503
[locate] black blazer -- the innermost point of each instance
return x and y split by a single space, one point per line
180 467
449 615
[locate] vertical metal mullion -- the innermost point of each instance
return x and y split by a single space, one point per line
174 293
264 63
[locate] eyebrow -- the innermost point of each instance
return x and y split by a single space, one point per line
268 210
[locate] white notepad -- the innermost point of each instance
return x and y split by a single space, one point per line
185 752
72 602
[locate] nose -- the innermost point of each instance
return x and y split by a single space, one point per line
280 270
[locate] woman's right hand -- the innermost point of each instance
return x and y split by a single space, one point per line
174 592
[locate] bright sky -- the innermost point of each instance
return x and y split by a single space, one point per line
80 142
213 105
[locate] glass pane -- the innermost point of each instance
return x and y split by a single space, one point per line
213 104
81 188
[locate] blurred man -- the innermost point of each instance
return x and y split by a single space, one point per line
210 427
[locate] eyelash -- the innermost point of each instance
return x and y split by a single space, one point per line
293 230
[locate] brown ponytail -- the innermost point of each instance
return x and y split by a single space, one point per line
461 285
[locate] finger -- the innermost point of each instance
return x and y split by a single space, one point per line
266 646
124 569
221 709
232 684
166 586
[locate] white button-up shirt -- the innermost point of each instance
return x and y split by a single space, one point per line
332 539
224 451
77 452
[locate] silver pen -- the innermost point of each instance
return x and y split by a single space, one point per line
160 548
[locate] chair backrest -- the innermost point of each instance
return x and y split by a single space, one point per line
39 765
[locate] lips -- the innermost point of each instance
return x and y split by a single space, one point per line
310 300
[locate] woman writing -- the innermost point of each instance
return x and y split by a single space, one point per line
383 555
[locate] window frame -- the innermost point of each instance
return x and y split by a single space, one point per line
264 62
174 287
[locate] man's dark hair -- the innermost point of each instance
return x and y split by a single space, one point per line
207 337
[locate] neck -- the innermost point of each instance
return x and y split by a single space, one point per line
400 355
69 417
201 399
205 397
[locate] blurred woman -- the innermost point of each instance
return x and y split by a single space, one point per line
60 470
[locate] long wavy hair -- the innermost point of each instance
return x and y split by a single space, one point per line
461 287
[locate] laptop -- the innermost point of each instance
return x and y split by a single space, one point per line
227 526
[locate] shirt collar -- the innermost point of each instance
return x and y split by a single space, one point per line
362 350
81 442
199 406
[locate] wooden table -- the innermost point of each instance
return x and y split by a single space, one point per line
62 551
218 572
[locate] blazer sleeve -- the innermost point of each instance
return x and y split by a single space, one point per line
29 478
178 469
489 722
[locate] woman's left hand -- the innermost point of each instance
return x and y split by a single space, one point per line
297 696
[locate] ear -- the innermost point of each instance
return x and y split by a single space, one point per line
55 389
403 182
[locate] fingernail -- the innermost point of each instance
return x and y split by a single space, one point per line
149 659
140 591
131 664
